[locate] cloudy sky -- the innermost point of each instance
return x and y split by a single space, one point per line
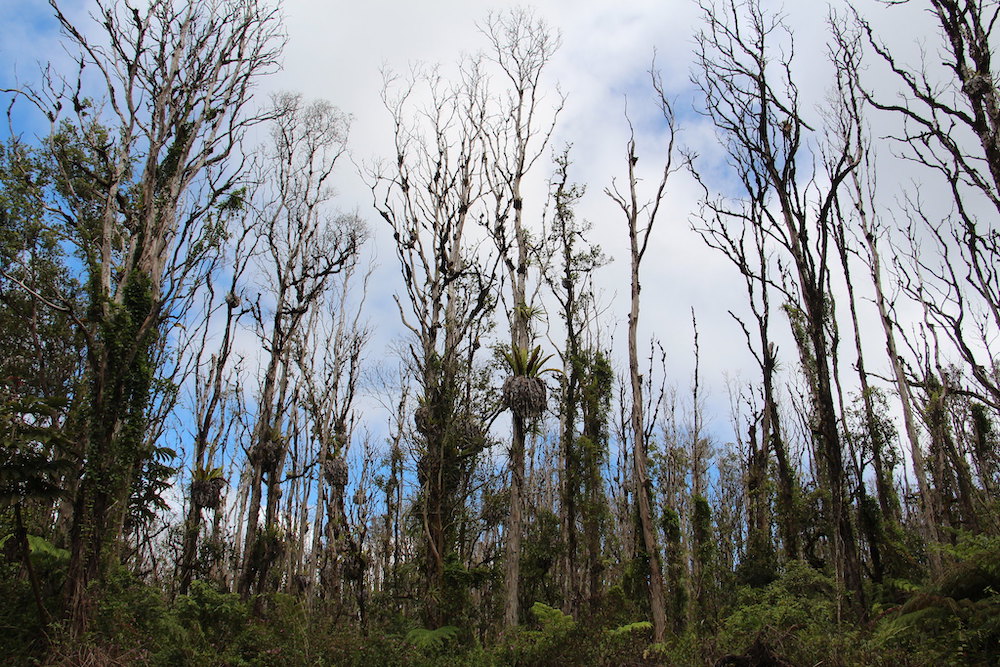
337 50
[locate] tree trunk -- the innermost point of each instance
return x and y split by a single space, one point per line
512 560
930 509
641 478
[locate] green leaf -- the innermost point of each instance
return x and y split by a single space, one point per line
552 619
39 546
431 640
630 628
529 363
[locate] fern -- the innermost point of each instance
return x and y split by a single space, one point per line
630 628
41 547
903 585
551 619
431 640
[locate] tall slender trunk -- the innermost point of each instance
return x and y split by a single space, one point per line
638 243
788 521
263 432
512 561
322 494
928 503
570 458
639 466
189 550
832 453
520 340
192 524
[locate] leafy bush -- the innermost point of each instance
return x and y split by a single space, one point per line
19 636
552 620
957 620
432 641
208 622
793 618
630 629
627 644
130 614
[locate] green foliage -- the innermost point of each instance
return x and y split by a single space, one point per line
556 638
432 641
759 566
46 553
541 549
957 620
156 473
984 435
456 595
552 620
234 202
634 587
42 359
528 363
801 333
42 551
630 628
129 613
528 313
30 440
677 592
875 435
202 474
614 609
555 642
705 555
19 639
702 529
795 617
211 617
793 620
126 470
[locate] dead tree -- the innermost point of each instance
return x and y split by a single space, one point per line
329 356
950 116
859 233
749 94
568 263
429 195
521 46
304 246
207 480
640 215
737 232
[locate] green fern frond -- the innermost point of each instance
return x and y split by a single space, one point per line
552 619
630 628
431 640
205 474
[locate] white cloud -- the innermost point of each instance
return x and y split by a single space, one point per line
337 50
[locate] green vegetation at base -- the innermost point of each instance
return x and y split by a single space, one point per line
791 621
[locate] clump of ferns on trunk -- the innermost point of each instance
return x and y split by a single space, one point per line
524 391
206 487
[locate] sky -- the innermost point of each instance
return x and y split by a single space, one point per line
337 50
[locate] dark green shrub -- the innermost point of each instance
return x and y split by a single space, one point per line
130 614
955 621
793 618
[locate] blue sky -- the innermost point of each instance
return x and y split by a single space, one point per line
337 49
